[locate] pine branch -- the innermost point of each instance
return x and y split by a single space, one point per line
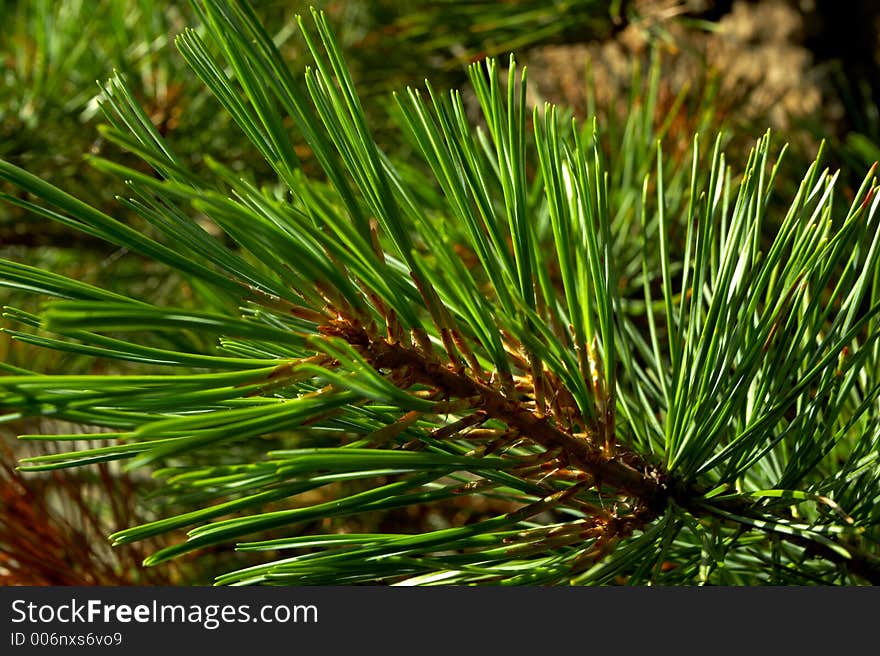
627 473
641 367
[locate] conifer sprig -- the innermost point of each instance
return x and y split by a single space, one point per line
648 370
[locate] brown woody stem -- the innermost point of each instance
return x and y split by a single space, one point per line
642 481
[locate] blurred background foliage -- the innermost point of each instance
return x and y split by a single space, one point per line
808 69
